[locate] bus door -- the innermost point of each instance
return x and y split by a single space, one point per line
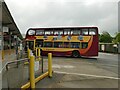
30 45
39 43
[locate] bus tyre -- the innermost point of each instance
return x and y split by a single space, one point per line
75 54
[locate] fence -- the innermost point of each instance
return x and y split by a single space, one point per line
14 74
109 47
33 64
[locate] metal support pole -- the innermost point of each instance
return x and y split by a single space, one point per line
36 51
42 64
16 47
8 78
9 43
39 54
50 64
28 53
32 73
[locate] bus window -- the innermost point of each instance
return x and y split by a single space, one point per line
55 32
31 32
48 32
47 44
84 31
84 45
58 44
39 32
58 32
30 44
39 42
75 44
51 32
92 31
75 32
66 31
66 45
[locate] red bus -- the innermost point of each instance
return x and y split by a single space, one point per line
64 41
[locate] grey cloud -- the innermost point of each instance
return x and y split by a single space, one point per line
103 15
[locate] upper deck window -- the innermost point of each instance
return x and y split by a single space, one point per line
31 32
75 32
84 31
39 32
58 32
92 31
66 31
48 32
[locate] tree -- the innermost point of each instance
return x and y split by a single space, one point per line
105 37
117 38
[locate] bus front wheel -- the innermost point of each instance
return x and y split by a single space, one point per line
75 54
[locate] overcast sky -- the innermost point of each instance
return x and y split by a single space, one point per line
47 13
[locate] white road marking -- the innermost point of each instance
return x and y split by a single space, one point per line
108 65
108 54
88 75
62 66
56 66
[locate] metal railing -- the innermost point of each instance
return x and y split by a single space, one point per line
11 62
16 73
34 79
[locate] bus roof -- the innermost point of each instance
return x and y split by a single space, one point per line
62 27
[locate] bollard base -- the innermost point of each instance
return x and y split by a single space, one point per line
50 76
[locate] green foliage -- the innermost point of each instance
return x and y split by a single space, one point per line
117 38
105 37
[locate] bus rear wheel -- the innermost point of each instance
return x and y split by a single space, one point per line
75 54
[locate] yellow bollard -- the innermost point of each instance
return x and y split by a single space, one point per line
50 64
28 53
27 85
32 76
34 80
38 53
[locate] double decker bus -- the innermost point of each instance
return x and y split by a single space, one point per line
64 41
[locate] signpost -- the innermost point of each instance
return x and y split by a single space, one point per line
5 29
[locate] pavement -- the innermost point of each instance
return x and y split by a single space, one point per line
9 55
11 78
95 72
76 81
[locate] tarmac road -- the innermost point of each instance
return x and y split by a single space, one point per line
106 60
96 72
